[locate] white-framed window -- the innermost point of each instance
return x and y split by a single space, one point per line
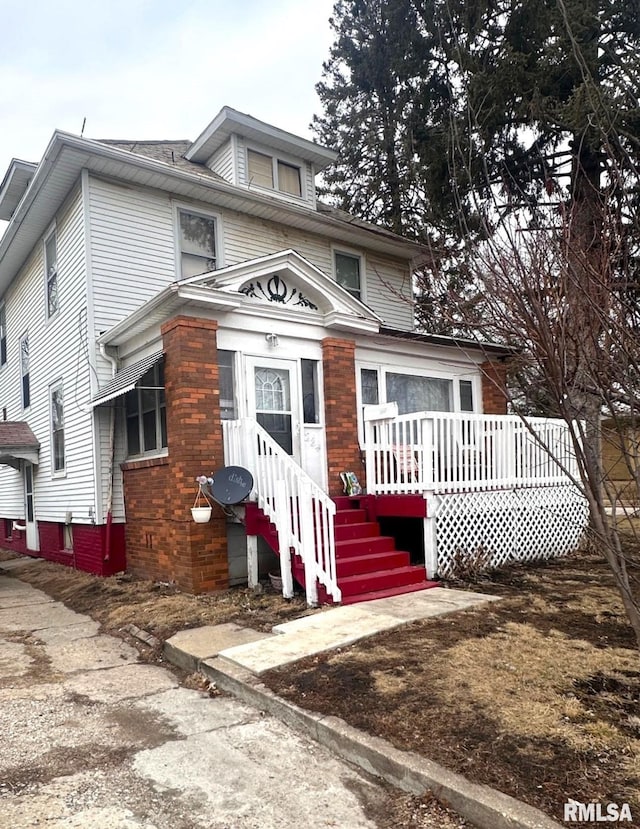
58 461
226 375
51 273
197 242
146 413
3 334
413 391
265 170
24 371
467 396
348 269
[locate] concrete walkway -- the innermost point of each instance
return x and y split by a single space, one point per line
233 658
96 738
328 629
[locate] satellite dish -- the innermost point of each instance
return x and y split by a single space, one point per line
231 485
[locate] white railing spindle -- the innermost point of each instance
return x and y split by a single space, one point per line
458 452
291 500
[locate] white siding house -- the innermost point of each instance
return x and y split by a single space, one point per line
166 306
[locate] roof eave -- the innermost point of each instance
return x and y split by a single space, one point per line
239 199
229 121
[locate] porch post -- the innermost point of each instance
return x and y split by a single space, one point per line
430 536
341 415
252 560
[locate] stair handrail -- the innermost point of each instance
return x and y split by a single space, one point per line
305 525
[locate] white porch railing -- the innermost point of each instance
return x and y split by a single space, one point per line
444 452
301 511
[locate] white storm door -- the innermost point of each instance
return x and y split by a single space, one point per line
29 511
273 399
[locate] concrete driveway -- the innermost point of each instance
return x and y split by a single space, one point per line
92 737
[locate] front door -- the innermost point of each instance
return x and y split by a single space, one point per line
273 392
30 519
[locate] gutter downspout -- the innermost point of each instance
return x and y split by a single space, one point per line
112 449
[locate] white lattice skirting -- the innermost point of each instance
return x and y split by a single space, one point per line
509 525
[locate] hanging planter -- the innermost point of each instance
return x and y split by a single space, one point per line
201 509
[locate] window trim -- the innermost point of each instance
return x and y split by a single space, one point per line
25 338
383 369
158 450
289 161
184 207
354 254
62 471
51 234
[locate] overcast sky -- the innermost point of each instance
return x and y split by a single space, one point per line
153 69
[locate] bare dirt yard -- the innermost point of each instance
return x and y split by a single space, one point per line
537 695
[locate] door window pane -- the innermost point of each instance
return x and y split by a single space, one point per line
273 405
272 390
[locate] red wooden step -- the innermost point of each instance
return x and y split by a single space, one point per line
356 565
344 502
390 591
350 516
365 546
381 580
365 530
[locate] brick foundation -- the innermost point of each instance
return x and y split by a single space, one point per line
343 451
163 542
494 387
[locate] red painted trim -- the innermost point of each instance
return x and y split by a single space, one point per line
399 506
89 546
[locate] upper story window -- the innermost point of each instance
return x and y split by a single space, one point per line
51 273
57 428
273 173
197 237
24 371
3 334
146 413
348 272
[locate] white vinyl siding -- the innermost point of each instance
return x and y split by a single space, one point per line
388 282
222 162
132 248
57 349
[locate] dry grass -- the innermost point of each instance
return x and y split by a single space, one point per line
537 695
159 608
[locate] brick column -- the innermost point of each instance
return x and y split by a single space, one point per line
494 387
343 452
194 436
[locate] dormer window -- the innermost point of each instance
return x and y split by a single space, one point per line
274 174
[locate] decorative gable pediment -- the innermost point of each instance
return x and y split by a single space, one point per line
287 283
276 289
